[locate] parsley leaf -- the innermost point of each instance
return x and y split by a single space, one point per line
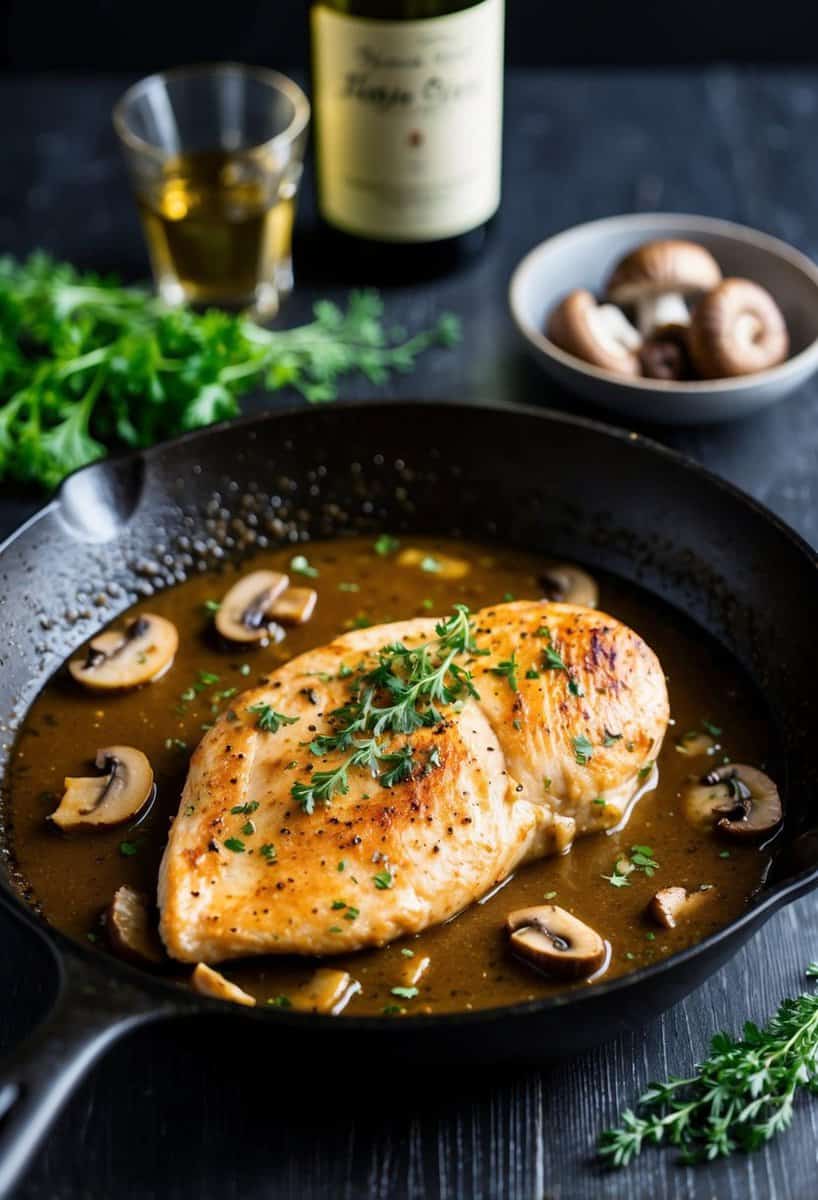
270 721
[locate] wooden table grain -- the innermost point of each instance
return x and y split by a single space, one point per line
196 1113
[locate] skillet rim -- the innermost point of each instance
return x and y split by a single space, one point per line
759 910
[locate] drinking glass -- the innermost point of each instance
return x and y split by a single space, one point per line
216 155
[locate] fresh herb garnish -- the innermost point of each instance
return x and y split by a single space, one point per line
247 809
211 606
508 670
386 545
399 769
738 1098
405 993
713 730
268 720
644 771
128 849
383 880
610 739
301 565
268 851
430 564
87 363
175 743
234 844
583 749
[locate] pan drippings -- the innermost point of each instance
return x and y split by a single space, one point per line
607 880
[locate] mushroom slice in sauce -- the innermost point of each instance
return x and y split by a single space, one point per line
131 928
140 653
737 800
208 982
246 612
737 329
99 801
441 566
295 606
329 991
555 941
567 584
672 904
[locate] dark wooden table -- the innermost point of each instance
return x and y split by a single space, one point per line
172 1115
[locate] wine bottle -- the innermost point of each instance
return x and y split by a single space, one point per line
407 97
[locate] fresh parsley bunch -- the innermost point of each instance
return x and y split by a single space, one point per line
739 1097
86 363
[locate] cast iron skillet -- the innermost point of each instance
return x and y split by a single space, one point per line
568 487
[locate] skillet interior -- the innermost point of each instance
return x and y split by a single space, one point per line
564 487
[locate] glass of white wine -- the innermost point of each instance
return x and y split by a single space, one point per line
216 156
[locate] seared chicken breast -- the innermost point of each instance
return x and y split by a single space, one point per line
550 726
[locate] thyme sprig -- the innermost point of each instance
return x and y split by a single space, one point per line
740 1097
405 690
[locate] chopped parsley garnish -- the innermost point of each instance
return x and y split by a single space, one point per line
383 880
430 564
244 669
175 743
211 606
713 730
386 545
128 849
246 809
610 739
552 660
617 878
645 771
341 866
642 858
575 687
405 993
301 565
352 913
532 673
549 895
407 953
339 904
392 1010
508 670
248 828
208 678
400 767
234 844
349 587
583 749
268 720
268 851
280 1002
600 800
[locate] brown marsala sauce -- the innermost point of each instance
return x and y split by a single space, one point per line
73 877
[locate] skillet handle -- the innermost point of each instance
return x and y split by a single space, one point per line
92 1011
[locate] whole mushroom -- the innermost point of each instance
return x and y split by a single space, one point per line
658 277
737 329
599 334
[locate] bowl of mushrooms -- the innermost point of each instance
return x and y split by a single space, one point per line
682 320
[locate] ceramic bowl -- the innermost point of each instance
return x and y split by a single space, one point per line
583 257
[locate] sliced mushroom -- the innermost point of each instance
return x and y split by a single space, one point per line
141 653
739 801
101 801
737 329
329 991
555 941
567 584
131 928
600 334
208 982
673 904
246 612
442 566
657 277
295 606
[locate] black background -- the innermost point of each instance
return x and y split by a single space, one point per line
103 36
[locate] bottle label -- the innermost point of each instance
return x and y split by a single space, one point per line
409 118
